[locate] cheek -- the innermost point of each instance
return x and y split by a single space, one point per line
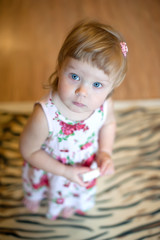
64 89
98 101
101 96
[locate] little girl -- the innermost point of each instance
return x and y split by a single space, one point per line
74 126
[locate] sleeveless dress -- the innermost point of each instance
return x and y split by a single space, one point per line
70 142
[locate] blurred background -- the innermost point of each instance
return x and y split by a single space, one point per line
32 32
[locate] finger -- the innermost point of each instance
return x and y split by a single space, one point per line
110 170
81 183
105 166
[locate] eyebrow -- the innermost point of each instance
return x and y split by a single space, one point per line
71 66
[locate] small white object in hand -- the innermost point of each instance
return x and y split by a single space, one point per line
86 177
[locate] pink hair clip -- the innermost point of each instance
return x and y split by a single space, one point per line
124 48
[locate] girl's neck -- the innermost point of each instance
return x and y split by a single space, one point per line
66 112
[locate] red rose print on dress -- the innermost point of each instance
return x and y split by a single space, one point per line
43 182
64 150
88 162
67 184
62 160
56 116
85 146
91 184
69 129
76 195
60 200
101 108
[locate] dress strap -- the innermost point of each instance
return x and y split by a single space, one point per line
49 109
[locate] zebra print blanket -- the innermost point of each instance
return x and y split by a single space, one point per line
127 203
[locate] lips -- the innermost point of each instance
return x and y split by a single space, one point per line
79 104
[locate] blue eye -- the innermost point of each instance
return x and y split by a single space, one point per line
97 85
75 77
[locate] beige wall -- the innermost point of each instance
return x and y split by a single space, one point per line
32 31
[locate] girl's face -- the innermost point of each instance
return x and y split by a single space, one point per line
82 88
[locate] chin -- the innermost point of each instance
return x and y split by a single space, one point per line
75 110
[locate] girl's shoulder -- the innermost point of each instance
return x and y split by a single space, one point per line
37 118
35 132
47 100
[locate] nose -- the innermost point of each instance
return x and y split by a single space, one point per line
81 91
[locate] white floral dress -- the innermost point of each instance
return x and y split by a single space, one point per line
70 142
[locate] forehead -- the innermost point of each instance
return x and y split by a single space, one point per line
83 68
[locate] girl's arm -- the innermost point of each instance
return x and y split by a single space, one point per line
106 141
31 140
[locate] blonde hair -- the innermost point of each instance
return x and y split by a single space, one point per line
99 45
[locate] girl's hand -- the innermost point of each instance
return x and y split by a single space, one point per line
105 163
73 173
